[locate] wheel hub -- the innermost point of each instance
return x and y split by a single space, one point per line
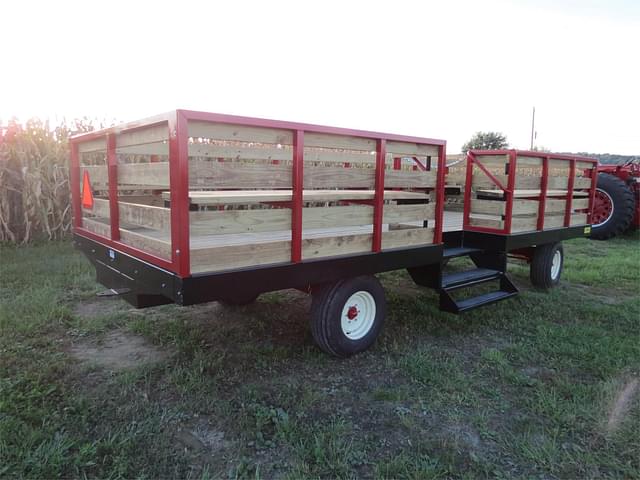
352 313
358 315
602 208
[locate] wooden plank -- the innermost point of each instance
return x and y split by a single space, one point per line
100 208
327 177
528 193
146 243
327 217
325 140
154 134
526 161
210 174
407 237
157 218
585 165
238 256
160 149
581 182
489 207
412 149
239 221
332 246
240 133
97 227
529 223
238 197
579 219
96 145
147 175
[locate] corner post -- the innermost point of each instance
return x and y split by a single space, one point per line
378 198
179 191
569 200
297 186
509 193
74 178
439 196
112 172
466 209
544 185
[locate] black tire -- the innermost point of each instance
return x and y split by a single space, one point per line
327 306
541 269
240 299
623 202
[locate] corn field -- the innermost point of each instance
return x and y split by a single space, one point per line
35 199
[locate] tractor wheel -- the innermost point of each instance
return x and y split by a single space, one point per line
546 265
347 316
240 299
612 209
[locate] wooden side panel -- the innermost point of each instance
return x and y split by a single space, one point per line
147 175
489 207
407 237
412 149
156 218
100 208
324 140
238 256
98 175
239 221
156 134
211 174
97 145
240 133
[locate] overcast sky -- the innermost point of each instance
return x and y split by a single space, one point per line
440 69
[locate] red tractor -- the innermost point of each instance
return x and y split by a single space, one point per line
617 202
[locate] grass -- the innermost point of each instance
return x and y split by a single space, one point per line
541 386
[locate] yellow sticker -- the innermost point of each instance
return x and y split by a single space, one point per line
587 230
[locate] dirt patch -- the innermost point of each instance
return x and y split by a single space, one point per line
99 306
622 404
119 350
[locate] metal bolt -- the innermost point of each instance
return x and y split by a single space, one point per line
164 285
177 251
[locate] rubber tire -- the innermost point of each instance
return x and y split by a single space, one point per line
623 203
540 269
240 300
326 310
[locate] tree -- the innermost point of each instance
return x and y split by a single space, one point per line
486 141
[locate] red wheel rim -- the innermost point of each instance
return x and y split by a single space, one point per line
602 208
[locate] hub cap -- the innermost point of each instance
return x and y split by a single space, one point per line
602 208
555 265
358 315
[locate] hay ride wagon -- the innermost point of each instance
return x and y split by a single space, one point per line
192 207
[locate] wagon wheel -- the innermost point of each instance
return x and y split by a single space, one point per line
546 265
347 316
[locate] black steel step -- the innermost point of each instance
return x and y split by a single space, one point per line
484 299
459 251
468 278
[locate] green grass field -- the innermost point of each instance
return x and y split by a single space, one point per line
545 385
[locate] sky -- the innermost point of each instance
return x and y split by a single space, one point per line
436 69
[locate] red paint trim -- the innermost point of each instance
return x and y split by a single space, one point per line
439 193
142 255
569 201
261 122
381 152
530 153
544 183
179 186
297 188
592 193
74 178
112 166
466 210
508 193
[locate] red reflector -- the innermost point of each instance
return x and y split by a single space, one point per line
87 195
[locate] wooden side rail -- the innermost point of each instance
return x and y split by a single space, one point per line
512 191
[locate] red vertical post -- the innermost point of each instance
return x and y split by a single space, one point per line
569 200
179 188
509 193
542 199
112 173
378 199
466 209
74 178
297 186
592 191
439 193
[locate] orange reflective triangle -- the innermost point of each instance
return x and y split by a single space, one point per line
87 195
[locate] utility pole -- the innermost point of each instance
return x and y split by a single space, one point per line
533 125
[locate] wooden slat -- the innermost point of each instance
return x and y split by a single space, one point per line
97 227
525 161
100 208
239 197
412 149
160 149
98 175
581 182
97 145
529 193
157 133
529 223
137 240
267 220
585 165
407 237
239 221
148 175
208 174
312 139
240 133
489 207
157 218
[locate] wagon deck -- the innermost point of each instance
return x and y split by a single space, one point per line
191 206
